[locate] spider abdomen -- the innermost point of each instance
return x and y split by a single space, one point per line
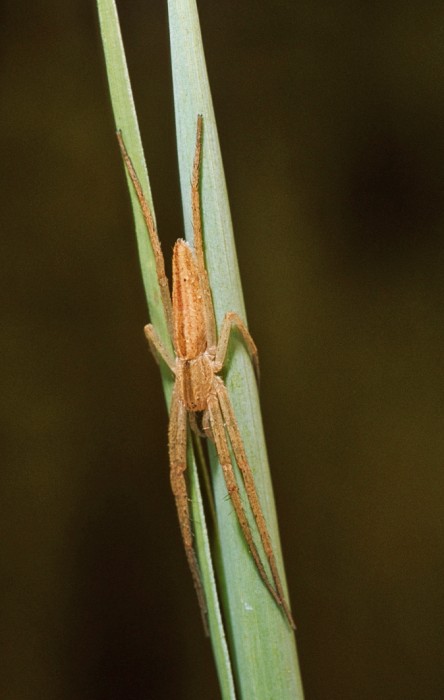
190 339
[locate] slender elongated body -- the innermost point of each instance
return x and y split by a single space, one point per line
198 358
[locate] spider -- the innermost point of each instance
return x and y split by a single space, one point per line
199 396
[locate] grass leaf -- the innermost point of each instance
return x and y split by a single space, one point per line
126 121
262 644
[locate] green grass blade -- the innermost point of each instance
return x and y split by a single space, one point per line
262 644
126 120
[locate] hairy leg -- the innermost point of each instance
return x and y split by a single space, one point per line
152 232
250 489
177 444
220 439
210 321
158 348
233 320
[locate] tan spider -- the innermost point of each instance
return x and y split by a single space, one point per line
198 391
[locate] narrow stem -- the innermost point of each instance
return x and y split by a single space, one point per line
126 121
262 643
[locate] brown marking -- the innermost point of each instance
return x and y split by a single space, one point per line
188 313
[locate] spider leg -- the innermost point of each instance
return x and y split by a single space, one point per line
158 348
250 488
206 425
210 321
233 320
220 439
177 444
152 232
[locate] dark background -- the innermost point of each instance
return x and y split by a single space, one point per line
331 122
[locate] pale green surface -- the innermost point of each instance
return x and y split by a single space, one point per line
126 120
262 644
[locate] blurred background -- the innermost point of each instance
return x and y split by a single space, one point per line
331 120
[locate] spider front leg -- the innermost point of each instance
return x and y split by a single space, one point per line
177 445
240 456
218 433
